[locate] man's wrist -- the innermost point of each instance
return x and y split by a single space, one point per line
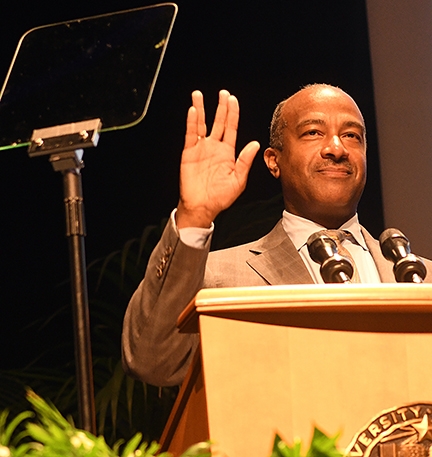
192 218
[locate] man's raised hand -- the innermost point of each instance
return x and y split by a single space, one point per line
211 178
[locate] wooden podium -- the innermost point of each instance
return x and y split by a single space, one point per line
285 358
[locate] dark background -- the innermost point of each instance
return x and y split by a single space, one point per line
261 51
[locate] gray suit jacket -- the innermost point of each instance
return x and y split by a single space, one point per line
153 349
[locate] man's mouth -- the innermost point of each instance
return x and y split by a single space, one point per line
336 171
329 167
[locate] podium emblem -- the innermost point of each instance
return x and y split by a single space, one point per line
404 431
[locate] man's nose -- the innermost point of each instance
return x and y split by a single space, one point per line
334 149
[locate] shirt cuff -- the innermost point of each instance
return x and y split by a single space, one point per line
194 237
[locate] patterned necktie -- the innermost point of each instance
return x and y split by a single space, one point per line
339 236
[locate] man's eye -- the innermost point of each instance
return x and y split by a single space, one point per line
352 135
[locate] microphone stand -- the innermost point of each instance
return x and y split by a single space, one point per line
64 144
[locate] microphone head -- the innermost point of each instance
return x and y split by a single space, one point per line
321 247
394 244
395 247
324 250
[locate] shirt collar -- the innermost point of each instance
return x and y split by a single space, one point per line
299 229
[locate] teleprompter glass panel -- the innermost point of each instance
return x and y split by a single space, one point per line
99 67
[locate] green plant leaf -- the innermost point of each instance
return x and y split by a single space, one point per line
48 412
323 445
38 433
281 449
6 432
150 450
132 445
202 449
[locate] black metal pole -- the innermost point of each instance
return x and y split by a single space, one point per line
65 145
75 231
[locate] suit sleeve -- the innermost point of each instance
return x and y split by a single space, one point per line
153 349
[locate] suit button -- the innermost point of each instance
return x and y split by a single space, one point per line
163 261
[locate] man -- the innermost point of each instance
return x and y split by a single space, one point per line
318 151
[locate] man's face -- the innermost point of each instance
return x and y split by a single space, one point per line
322 165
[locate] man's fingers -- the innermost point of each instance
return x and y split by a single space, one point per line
195 122
231 123
245 159
225 124
198 103
218 129
191 127
226 119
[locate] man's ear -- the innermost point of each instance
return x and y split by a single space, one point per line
271 160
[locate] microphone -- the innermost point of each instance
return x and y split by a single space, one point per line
334 267
396 248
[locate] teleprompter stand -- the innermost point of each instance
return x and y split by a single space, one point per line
65 145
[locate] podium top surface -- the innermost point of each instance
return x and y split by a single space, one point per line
400 308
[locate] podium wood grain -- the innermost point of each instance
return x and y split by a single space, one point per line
283 359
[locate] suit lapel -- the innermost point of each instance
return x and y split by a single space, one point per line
277 261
